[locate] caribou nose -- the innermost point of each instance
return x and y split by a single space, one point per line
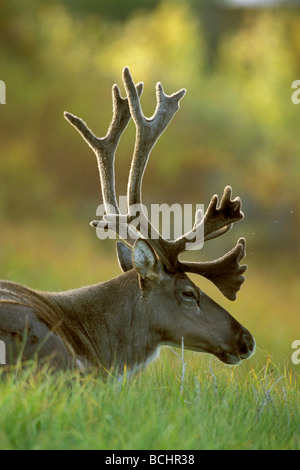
245 344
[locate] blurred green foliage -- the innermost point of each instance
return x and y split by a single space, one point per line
237 124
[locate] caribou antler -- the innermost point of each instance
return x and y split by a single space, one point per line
225 273
148 130
105 148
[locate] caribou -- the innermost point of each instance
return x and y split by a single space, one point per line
122 323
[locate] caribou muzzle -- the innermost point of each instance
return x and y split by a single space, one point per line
242 348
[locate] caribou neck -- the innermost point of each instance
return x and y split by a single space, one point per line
125 337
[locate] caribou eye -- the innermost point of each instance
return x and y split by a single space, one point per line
189 294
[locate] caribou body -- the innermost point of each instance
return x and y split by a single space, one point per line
124 321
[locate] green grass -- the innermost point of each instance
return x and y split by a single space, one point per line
211 407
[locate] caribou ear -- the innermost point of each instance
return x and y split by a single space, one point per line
124 256
145 262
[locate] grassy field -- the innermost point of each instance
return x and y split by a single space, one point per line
254 405
210 407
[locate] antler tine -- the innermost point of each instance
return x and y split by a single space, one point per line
222 216
148 131
226 272
217 220
105 147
